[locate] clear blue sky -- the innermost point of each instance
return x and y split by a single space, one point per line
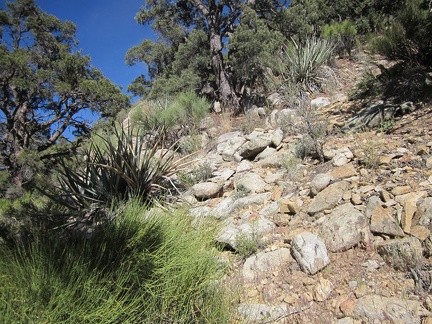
106 29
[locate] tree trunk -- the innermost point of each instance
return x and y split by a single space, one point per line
225 90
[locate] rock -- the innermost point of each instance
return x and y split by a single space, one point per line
228 136
310 252
328 198
402 254
244 165
319 182
401 190
372 203
423 215
207 190
344 171
323 290
264 262
427 246
257 142
269 152
410 208
217 107
383 222
420 232
344 228
347 307
223 209
319 102
257 199
277 137
228 148
396 310
276 99
260 313
289 206
342 157
249 182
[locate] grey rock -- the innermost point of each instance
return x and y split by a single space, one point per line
260 313
319 102
244 165
395 310
217 107
402 254
249 182
256 199
310 252
227 149
344 228
277 137
329 197
383 222
223 209
269 152
319 182
372 203
257 143
265 262
276 99
423 215
342 157
228 136
207 190
270 209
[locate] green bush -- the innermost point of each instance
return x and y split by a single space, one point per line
343 33
114 169
142 267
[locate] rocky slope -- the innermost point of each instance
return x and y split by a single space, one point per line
344 240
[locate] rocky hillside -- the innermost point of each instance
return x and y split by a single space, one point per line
343 240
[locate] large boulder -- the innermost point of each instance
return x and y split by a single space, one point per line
344 228
402 254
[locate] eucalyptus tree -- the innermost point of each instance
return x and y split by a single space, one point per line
45 86
195 34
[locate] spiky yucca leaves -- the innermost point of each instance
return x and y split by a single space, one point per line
114 169
302 63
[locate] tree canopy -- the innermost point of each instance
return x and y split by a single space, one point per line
45 84
200 43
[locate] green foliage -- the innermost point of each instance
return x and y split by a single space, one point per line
248 243
143 266
115 169
199 174
45 84
302 65
342 33
408 38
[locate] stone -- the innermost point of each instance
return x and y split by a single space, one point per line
277 137
319 182
402 254
217 107
260 313
372 203
420 232
401 190
244 165
383 222
289 206
207 190
396 310
343 172
310 252
347 307
228 136
344 228
423 215
265 262
223 209
328 198
269 152
342 157
256 199
322 290
257 142
427 246
249 182
356 199
410 208
228 149
320 102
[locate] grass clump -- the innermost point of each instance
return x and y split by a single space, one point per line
199 174
141 267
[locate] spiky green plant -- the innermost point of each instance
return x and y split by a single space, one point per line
302 62
114 169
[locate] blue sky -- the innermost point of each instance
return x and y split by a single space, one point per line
106 30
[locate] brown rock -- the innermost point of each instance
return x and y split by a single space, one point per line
344 171
356 199
385 196
420 232
383 222
323 290
410 207
401 190
347 307
288 206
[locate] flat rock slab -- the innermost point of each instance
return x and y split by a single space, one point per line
264 262
383 222
207 190
344 228
249 182
328 198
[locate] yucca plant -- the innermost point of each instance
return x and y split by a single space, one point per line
115 169
302 62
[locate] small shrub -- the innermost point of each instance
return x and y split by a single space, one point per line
248 243
343 33
141 267
199 174
303 63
